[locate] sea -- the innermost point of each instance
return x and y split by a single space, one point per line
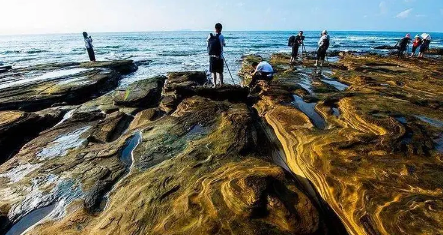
158 53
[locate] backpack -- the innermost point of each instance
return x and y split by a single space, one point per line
214 45
291 41
326 44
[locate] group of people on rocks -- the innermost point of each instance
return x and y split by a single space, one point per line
419 42
263 70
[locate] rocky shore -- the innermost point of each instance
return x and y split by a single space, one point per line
357 150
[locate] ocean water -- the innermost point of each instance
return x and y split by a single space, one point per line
162 52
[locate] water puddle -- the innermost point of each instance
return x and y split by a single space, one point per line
306 83
336 112
439 144
67 116
39 205
402 120
127 154
333 59
127 158
430 121
30 220
336 84
61 146
196 131
46 76
75 82
309 110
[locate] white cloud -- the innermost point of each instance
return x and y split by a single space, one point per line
404 14
240 4
421 16
383 7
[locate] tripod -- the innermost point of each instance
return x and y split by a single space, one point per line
303 50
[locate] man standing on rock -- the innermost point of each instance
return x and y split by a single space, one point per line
215 49
323 45
295 42
89 46
402 45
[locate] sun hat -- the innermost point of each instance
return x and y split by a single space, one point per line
417 36
325 31
408 35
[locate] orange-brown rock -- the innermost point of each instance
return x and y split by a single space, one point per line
378 162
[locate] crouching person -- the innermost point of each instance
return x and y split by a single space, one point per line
263 71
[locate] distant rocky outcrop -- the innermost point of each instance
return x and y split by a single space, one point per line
43 86
386 47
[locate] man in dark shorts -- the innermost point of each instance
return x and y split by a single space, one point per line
215 49
323 45
295 43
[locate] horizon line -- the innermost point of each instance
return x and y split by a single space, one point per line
210 30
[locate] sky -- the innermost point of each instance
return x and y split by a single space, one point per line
72 16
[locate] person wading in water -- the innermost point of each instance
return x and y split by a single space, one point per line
89 46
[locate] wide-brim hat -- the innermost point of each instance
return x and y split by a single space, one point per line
426 36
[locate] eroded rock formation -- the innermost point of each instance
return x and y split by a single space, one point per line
377 160
43 86
198 168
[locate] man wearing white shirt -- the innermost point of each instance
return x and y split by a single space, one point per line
263 71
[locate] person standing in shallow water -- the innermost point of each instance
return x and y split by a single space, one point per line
215 50
89 46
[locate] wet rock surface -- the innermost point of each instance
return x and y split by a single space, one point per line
142 94
377 163
107 166
352 148
43 86
16 128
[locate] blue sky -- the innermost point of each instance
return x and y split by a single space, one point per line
55 16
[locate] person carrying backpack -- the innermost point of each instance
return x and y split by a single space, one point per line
215 50
425 45
295 42
403 45
89 46
323 45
